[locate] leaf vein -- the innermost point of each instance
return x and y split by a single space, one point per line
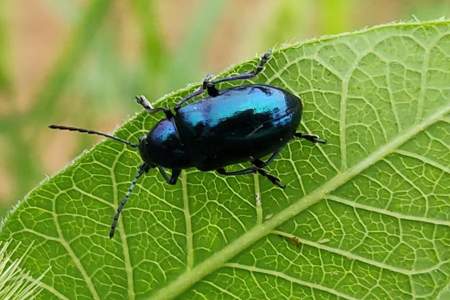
288 278
122 234
90 285
424 159
383 211
188 224
355 257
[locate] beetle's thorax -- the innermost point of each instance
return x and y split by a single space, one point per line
163 147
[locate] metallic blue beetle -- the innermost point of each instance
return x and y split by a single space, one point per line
239 124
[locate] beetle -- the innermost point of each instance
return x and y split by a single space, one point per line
240 124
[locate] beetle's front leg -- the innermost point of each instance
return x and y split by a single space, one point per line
313 138
143 101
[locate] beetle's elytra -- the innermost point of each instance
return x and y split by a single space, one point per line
240 124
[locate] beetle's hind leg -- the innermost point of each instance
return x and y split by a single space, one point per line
275 180
251 170
257 163
245 171
261 164
313 138
257 167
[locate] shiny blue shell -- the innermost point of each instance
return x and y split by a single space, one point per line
239 123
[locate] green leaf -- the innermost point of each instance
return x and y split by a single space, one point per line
365 216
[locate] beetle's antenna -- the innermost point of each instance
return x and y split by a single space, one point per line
142 169
61 127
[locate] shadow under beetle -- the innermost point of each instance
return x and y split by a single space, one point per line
239 124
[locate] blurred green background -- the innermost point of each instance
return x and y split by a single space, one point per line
82 62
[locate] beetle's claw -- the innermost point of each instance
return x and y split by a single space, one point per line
207 79
272 179
321 141
278 183
313 138
262 61
316 139
142 100
267 55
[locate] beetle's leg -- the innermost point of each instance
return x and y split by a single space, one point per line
164 174
313 138
262 61
188 97
173 178
175 175
273 179
142 100
259 164
206 85
250 170
210 85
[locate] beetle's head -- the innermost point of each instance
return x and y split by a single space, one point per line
162 147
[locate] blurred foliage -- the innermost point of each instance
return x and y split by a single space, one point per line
153 49
187 57
4 78
114 50
334 15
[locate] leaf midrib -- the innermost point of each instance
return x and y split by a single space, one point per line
218 259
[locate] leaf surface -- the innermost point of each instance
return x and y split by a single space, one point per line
365 216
